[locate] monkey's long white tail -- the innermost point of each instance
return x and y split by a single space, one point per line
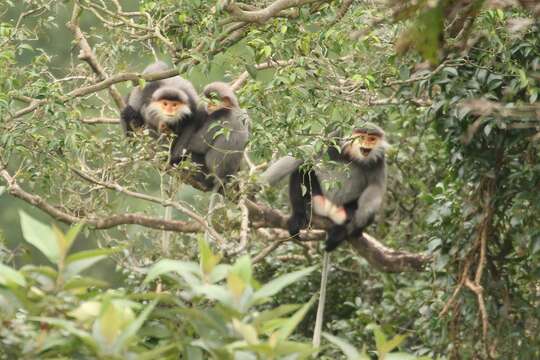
322 298
170 193
215 200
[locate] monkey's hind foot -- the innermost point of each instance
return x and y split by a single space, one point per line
296 223
335 236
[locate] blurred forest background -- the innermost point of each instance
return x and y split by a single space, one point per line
455 84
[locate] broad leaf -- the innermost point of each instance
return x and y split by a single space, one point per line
248 332
347 349
72 233
294 320
69 327
275 313
132 329
9 276
208 259
82 260
167 266
80 284
242 267
276 285
391 344
41 236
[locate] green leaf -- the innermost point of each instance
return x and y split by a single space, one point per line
83 283
242 268
167 266
213 292
2 190
41 236
275 313
403 356
350 351
219 273
9 276
294 320
69 327
158 353
132 329
72 233
84 259
276 285
208 259
392 343
248 332
86 311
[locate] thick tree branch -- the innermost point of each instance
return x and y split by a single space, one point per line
260 216
98 223
192 214
263 15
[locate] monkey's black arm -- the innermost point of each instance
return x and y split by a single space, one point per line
368 205
130 119
180 146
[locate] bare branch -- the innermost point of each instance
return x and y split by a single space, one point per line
87 54
101 120
236 84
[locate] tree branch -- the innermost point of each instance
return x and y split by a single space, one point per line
263 15
378 255
87 54
97 223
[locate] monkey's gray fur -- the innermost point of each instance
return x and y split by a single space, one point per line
219 143
139 110
357 184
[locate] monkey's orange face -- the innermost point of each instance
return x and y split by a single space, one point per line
362 143
171 107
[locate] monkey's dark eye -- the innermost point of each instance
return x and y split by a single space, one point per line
165 103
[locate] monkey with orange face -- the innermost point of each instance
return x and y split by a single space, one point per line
218 144
164 106
359 170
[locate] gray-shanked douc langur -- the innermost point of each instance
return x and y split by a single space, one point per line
164 106
357 174
218 145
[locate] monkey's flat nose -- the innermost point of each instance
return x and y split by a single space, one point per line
168 109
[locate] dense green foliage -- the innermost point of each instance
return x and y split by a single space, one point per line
462 116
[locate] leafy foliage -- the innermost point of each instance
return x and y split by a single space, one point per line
461 113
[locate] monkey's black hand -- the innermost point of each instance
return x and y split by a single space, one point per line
335 236
295 223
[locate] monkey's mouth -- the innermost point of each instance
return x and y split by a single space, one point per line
365 151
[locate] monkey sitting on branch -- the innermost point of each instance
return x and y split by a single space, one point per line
163 106
218 144
360 173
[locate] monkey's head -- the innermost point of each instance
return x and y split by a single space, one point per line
219 96
169 105
366 143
